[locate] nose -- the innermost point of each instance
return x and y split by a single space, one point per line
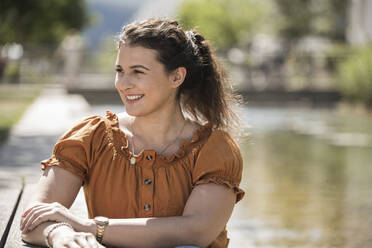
122 82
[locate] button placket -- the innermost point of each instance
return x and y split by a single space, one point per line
147 191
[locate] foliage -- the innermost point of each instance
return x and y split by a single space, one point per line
224 22
355 73
14 100
313 17
32 22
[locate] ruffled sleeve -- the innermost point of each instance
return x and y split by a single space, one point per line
73 151
220 161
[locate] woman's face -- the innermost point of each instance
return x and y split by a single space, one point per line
142 82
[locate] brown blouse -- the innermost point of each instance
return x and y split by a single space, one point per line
156 186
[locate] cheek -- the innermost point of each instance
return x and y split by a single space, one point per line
161 82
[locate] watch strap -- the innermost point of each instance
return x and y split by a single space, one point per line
100 228
100 231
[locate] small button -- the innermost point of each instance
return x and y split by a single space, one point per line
148 181
148 157
147 207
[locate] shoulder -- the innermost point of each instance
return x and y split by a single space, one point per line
220 154
221 144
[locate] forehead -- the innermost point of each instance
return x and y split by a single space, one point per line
129 55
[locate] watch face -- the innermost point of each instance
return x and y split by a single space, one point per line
101 219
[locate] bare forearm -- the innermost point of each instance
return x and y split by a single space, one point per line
37 236
151 232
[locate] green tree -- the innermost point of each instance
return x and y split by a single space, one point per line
34 22
312 17
355 74
224 22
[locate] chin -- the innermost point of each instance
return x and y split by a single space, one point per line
133 112
140 112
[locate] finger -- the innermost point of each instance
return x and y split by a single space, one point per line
82 242
73 244
92 241
30 215
25 213
29 209
47 216
38 204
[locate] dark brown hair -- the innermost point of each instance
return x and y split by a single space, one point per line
205 93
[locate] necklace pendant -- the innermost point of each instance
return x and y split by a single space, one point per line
132 160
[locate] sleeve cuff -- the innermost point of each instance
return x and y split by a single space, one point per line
223 181
64 164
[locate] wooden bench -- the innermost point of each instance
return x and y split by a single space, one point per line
12 205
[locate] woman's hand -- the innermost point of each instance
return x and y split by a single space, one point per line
42 212
63 238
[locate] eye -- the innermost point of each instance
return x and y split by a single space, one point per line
138 72
118 70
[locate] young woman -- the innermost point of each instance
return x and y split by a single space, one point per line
163 174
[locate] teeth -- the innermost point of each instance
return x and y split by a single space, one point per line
134 97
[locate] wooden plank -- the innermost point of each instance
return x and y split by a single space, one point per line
8 200
14 239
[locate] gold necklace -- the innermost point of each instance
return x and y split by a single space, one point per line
133 157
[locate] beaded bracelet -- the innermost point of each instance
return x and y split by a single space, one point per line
52 228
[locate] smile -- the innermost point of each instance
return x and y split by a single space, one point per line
134 97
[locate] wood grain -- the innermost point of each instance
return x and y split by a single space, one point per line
14 239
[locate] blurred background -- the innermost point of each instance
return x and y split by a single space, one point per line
303 68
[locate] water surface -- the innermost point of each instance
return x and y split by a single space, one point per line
308 179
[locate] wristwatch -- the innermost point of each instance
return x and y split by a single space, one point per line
101 223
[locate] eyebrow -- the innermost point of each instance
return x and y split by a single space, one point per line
136 66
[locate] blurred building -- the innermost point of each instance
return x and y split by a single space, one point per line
359 30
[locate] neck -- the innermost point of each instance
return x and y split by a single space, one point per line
159 128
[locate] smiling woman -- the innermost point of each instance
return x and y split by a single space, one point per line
164 173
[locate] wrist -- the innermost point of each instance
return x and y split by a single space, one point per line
85 225
91 226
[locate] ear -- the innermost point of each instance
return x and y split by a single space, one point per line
178 76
